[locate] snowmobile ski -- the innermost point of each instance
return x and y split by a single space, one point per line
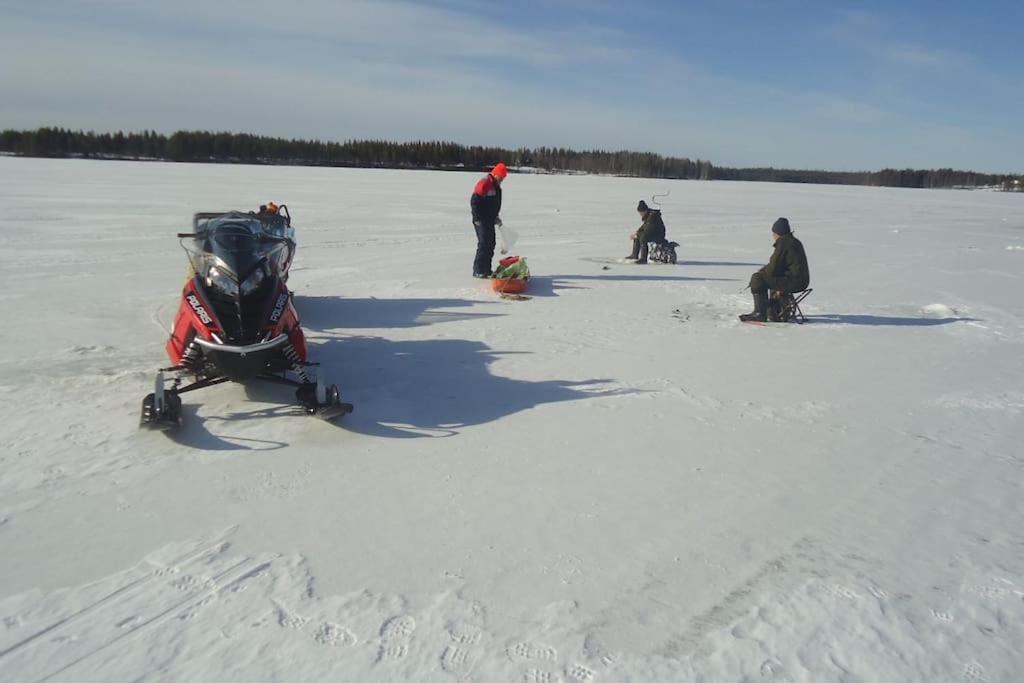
161 410
322 399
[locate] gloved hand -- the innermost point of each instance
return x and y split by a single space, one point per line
477 224
497 221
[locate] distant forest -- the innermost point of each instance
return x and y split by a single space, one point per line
241 148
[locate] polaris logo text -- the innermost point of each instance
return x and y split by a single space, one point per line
275 315
193 301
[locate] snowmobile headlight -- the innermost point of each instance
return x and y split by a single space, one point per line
221 282
253 282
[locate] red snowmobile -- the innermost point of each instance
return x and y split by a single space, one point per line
236 321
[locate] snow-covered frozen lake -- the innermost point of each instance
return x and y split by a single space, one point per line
613 481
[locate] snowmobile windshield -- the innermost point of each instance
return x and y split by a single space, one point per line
238 250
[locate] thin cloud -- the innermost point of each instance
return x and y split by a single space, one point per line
869 34
921 56
392 30
851 26
848 111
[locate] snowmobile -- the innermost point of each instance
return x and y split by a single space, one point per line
236 321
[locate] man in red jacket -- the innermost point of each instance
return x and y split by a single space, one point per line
486 205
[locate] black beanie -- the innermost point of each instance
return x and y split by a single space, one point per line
642 206
781 227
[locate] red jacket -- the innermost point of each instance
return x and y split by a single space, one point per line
486 200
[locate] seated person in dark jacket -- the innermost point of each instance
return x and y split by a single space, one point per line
652 230
787 272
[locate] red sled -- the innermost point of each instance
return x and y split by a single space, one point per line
509 285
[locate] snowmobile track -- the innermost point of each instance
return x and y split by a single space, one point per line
236 573
125 590
117 609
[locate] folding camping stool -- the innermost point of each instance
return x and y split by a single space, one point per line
788 306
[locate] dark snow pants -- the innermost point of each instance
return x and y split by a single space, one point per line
484 248
762 283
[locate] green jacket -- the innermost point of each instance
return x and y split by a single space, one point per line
788 270
653 229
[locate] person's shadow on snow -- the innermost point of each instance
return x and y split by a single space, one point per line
549 285
884 320
435 387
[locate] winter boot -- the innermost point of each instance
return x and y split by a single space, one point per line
635 254
643 254
754 317
760 312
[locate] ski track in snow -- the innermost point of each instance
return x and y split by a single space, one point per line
612 481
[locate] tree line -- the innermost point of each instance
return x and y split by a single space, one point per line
210 147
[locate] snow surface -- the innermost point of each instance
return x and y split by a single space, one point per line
613 481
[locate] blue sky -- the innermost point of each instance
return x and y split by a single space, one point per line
742 83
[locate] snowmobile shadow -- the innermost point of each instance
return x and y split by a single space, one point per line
194 434
331 312
435 387
548 285
885 321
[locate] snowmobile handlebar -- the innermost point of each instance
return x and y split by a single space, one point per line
261 237
282 214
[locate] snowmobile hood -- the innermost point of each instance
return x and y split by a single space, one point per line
236 245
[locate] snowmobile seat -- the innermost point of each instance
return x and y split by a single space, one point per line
663 251
785 306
